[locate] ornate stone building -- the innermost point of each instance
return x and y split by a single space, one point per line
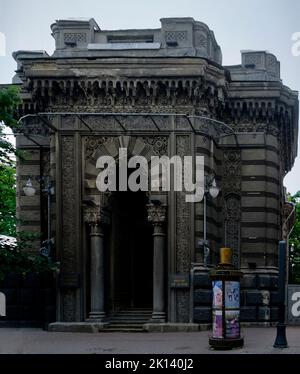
156 92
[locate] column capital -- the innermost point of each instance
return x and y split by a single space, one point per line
94 215
157 214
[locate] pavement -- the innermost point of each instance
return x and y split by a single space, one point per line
258 340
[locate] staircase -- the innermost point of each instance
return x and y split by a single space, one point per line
130 320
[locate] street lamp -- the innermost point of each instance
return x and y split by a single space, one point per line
210 190
48 189
28 189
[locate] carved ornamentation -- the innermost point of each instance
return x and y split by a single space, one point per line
68 224
92 215
254 59
157 214
97 214
182 236
232 190
232 227
167 95
182 215
32 126
93 143
75 38
176 36
232 172
68 203
159 144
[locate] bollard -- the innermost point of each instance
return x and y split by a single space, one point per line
226 304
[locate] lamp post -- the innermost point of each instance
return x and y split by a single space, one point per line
210 190
281 341
48 189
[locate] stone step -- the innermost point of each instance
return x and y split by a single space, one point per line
128 321
122 329
124 325
133 311
130 316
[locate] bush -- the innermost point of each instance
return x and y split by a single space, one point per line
15 259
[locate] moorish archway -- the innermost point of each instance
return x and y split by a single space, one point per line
128 228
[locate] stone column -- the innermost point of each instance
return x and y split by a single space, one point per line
95 220
157 216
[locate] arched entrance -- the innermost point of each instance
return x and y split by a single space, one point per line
127 238
130 252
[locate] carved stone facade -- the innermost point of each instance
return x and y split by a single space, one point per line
231 188
161 92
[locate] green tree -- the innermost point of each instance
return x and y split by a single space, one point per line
9 100
294 242
7 200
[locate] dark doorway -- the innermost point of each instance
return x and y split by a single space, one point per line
131 257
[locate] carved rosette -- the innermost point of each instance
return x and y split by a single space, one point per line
157 214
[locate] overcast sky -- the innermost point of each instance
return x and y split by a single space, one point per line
237 24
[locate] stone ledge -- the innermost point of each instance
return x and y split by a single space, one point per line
87 327
258 324
175 327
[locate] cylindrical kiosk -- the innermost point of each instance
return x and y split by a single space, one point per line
226 304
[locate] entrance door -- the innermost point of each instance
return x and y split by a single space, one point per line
131 255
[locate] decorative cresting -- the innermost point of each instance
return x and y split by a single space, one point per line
157 215
232 202
157 95
95 217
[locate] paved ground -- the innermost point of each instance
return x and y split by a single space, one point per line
29 340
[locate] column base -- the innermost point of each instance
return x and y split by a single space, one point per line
158 317
96 317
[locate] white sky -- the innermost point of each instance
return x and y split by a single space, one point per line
237 24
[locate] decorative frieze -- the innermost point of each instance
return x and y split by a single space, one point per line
128 95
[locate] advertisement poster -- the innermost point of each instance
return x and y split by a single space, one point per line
232 294
217 294
217 324
232 320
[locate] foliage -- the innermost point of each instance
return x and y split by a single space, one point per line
294 242
9 100
7 200
15 258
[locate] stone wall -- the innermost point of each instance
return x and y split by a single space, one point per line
259 297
